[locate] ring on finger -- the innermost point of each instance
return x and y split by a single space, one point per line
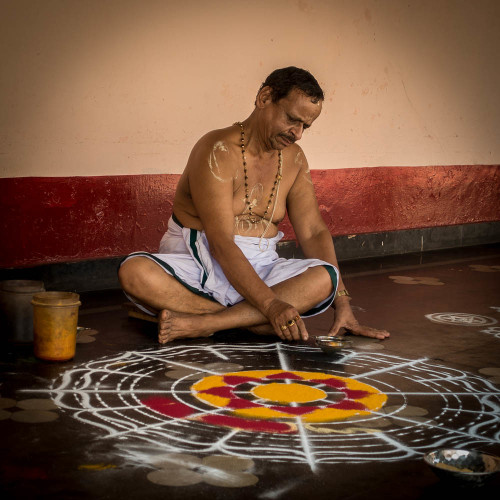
290 322
297 317
283 327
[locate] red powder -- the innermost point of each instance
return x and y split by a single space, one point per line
347 404
355 394
331 382
236 380
248 425
223 392
296 410
240 403
285 376
168 407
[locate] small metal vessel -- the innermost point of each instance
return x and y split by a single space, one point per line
463 467
331 344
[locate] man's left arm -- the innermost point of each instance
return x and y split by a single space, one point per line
316 242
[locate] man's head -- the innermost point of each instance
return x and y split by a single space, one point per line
283 81
287 103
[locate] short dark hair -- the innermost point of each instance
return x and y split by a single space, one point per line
283 81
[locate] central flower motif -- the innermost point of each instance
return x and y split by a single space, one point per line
288 393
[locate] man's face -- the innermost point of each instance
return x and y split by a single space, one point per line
289 117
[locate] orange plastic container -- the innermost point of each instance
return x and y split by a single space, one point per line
55 321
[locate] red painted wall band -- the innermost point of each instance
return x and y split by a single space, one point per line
62 219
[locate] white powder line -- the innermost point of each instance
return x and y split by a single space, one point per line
345 357
440 394
189 367
281 357
98 391
109 408
300 426
395 443
474 412
438 427
228 436
217 353
112 372
305 445
390 368
141 430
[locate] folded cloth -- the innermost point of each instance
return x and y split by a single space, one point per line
185 254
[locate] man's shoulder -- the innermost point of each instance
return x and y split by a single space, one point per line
218 149
222 139
294 156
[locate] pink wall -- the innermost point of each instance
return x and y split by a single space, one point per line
126 87
101 103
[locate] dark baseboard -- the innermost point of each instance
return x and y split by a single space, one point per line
416 240
362 246
356 252
82 276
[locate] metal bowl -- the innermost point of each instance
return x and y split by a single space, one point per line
466 468
331 344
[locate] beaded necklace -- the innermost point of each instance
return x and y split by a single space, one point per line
255 218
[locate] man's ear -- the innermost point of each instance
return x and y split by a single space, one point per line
264 97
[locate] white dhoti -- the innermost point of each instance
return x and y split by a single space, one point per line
184 254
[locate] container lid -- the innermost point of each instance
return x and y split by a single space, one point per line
56 299
22 286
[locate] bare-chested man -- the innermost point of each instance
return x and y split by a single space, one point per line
217 268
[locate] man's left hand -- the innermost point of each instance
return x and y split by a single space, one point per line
344 318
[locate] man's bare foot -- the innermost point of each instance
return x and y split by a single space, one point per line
173 325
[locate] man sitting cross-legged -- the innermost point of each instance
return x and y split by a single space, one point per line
217 267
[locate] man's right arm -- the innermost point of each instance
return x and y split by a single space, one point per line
212 194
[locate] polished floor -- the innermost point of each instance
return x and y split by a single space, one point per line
241 416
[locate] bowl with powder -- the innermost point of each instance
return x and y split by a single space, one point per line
331 344
463 467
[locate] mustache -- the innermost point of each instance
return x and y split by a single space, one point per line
288 138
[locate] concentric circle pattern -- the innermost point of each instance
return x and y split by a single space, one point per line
297 407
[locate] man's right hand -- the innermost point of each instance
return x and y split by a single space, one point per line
286 321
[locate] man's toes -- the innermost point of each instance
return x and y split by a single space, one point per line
164 315
163 338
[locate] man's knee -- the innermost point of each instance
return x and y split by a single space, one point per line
331 276
325 279
132 272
